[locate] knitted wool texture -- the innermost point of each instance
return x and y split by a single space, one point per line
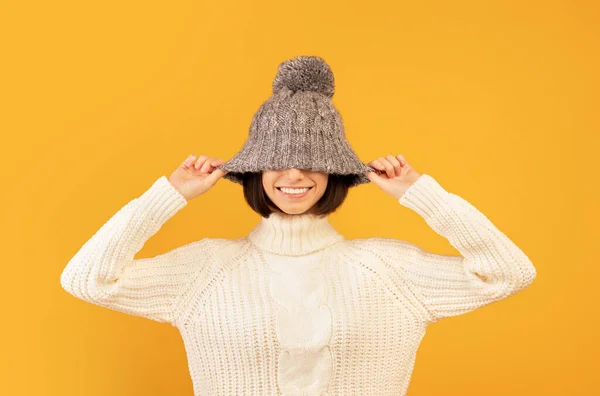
299 127
294 308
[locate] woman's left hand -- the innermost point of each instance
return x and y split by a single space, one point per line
395 175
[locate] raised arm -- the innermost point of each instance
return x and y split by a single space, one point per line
104 272
490 268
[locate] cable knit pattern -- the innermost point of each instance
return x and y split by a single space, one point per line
294 308
304 326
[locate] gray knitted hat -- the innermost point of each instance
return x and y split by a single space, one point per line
298 127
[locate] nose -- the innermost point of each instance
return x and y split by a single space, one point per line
294 172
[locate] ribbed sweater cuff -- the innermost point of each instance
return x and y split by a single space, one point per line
161 201
426 197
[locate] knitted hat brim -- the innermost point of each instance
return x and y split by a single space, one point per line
341 160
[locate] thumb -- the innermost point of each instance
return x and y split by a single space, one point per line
375 178
216 175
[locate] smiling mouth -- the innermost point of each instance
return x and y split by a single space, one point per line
295 195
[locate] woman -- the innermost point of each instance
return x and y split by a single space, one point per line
294 308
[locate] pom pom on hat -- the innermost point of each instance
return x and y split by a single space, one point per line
305 73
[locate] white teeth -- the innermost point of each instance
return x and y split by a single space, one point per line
294 190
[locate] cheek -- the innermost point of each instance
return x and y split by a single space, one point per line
267 186
321 191
269 192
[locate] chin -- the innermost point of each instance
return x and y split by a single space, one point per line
294 211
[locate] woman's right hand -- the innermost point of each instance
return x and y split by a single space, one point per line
196 175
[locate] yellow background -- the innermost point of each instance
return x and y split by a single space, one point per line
498 100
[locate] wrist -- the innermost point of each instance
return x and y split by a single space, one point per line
179 189
408 185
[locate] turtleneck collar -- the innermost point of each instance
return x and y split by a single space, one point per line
294 235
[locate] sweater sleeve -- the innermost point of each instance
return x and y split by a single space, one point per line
491 267
104 272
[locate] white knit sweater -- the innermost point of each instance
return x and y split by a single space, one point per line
294 308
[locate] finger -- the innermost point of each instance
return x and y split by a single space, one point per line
375 178
371 175
395 163
381 169
215 175
401 159
200 161
189 160
206 166
389 168
210 164
225 171
216 162
405 165
377 165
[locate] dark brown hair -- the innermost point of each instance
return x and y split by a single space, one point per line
259 201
